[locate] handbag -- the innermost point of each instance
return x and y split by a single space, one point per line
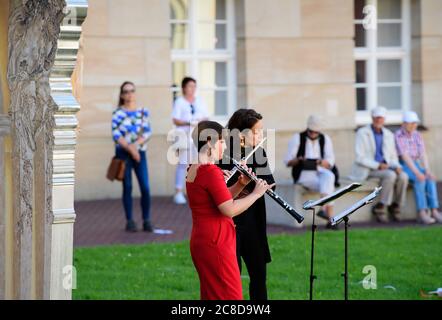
116 169
117 166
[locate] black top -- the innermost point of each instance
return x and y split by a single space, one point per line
251 224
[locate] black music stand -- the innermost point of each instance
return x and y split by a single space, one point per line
343 216
311 205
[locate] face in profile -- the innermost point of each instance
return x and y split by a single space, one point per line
253 136
220 147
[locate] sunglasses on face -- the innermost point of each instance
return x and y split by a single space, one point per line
128 91
313 132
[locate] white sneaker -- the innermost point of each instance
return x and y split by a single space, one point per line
179 198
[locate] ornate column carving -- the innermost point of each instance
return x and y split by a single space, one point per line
43 133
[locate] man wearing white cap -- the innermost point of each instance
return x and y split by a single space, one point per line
413 157
310 154
376 157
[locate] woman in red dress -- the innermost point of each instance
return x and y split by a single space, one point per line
213 239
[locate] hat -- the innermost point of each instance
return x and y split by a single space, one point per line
379 112
314 123
410 117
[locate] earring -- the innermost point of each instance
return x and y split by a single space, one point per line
210 152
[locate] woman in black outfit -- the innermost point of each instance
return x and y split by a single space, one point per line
245 127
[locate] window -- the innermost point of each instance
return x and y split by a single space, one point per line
382 57
202 41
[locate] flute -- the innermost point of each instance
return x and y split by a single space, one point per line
287 207
235 169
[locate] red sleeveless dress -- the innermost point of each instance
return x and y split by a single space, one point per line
213 239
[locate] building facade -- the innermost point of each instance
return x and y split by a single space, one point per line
285 58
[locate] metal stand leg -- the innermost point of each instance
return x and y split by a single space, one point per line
345 274
312 276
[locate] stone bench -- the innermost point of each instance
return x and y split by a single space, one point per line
296 195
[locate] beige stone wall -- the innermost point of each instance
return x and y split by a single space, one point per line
300 66
293 59
122 42
429 35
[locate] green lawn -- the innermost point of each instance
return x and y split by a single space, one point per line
406 260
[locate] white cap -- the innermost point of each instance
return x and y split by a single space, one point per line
410 117
379 112
314 123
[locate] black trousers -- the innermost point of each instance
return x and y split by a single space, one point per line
256 267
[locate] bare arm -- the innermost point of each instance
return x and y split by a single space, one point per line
236 189
232 208
130 148
180 123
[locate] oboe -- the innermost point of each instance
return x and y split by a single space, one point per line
288 208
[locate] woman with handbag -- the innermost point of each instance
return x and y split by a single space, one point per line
130 131
188 110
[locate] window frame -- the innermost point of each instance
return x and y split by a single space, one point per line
192 56
371 53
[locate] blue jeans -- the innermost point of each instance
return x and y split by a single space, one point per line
142 175
425 192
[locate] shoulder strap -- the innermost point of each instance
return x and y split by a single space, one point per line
322 144
302 142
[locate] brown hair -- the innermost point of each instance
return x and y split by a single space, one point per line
207 131
185 81
243 119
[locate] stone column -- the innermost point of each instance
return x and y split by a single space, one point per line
43 122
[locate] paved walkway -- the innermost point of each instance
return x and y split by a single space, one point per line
102 222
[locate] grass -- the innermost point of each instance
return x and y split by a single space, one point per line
406 260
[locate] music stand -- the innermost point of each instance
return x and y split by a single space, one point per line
310 205
343 216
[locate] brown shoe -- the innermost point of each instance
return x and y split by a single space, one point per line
394 212
379 212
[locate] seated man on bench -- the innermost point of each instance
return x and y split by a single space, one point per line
376 157
310 154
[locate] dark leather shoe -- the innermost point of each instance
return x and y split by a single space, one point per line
394 212
131 226
379 212
147 226
332 227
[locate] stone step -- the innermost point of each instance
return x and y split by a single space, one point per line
296 195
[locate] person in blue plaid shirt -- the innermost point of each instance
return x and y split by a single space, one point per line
130 132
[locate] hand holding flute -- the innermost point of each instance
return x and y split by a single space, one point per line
286 206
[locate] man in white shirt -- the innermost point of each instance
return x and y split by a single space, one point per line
310 154
188 110
376 157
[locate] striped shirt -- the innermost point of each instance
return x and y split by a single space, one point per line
131 125
411 144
